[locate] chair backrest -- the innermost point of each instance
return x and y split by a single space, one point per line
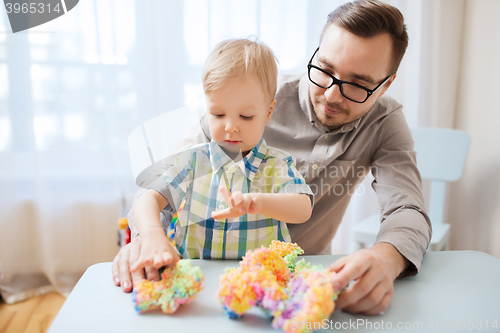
157 138
441 155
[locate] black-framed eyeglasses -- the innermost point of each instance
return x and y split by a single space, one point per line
350 90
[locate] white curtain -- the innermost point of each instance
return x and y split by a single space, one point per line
67 102
72 90
474 201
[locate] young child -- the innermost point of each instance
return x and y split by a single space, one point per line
230 205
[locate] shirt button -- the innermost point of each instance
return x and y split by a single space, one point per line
314 166
221 207
216 240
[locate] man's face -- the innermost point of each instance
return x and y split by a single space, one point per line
364 61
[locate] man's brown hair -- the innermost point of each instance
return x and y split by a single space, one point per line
368 18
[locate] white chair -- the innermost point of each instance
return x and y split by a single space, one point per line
441 155
152 147
153 142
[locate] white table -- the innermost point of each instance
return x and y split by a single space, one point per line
455 291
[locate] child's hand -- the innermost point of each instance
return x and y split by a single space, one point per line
239 204
156 251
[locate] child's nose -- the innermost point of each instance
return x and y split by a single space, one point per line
231 126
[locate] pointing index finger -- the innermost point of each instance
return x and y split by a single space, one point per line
226 194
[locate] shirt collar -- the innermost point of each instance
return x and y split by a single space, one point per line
305 104
248 165
218 158
251 162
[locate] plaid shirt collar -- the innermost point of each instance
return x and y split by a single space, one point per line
248 165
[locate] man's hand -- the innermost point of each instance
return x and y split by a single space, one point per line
374 271
128 255
239 204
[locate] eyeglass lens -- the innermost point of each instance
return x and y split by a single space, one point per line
348 90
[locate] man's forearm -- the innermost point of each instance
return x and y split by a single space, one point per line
408 231
395 261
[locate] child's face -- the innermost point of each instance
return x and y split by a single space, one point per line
238 113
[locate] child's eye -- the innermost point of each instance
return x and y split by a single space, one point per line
218 115
246 117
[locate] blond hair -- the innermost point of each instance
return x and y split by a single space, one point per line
239 58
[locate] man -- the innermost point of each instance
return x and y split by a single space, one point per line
338 126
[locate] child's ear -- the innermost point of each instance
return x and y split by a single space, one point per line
270 110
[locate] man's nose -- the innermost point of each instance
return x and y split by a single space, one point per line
333 94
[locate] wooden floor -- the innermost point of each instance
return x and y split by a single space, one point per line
33 315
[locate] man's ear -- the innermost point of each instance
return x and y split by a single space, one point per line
270 110
388 84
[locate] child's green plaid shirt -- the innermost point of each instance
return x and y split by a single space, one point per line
196 176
